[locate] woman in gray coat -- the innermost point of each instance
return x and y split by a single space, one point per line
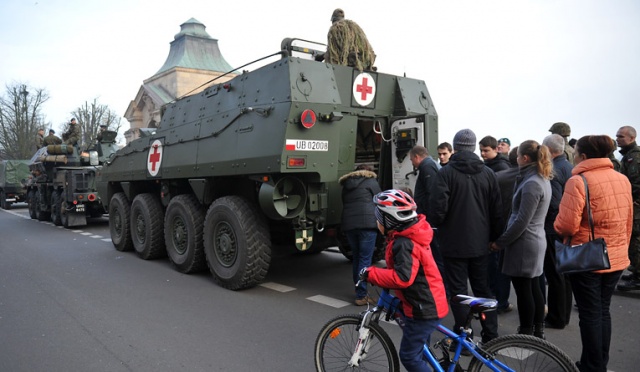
524 240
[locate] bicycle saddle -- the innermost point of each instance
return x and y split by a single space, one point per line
477 304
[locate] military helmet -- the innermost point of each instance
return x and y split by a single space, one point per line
561 128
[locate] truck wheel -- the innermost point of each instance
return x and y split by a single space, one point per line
3 201
183 224
40 214
31 199
236 243
119 212
56 200
146 233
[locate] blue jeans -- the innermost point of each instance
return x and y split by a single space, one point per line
593 295
363 244
415 333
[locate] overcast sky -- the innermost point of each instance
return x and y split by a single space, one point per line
502 68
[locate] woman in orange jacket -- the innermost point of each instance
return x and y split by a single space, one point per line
612 211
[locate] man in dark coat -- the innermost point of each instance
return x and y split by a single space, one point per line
559 296
492 158
466 208
427 172
630 167
359 222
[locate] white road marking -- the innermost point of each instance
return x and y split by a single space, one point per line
277 287
106 240
85 233
329 301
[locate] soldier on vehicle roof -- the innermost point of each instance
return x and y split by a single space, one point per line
52 139
347 44
39 140
72 135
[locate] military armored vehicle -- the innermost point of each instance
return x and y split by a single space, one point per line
13 182
252 164
62 186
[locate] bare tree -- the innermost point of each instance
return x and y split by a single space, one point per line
90 117
20 118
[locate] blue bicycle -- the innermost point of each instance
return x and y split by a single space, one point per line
358 343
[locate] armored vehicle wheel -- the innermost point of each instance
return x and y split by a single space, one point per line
64 214
183 224
31 199
3 201
119 212
237 243
146 232
40 214
56 200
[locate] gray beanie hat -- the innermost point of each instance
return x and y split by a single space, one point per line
464 140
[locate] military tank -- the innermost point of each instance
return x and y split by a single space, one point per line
252 164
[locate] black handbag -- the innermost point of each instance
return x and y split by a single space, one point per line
589 256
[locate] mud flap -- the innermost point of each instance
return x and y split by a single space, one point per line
76 219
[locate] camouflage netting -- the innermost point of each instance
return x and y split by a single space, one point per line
348 45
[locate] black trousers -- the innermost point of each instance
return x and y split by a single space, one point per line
475 270
593 294
559 298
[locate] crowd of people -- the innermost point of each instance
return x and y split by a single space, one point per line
514 204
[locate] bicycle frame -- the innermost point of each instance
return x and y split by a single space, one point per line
391 305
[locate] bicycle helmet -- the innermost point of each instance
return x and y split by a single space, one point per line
394 208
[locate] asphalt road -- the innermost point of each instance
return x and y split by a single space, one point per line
70 302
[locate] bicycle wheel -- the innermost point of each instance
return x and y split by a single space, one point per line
525 353
337 341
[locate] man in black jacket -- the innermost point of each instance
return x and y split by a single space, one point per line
492 158
427 172
467 210
559 298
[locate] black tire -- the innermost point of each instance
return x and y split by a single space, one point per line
337 340
3 201
31 199
525 353
236 243
40 214
183 226
147 232
119 213
56 207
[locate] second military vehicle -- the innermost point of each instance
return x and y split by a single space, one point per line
13 182
253 163
62 187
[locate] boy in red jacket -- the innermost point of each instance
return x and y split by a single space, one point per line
411 271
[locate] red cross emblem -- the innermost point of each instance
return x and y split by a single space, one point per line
364 89
155 158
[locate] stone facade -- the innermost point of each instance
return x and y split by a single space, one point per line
194 60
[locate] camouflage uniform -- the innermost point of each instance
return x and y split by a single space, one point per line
72 135
630 167
39 140
52 139
347 44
